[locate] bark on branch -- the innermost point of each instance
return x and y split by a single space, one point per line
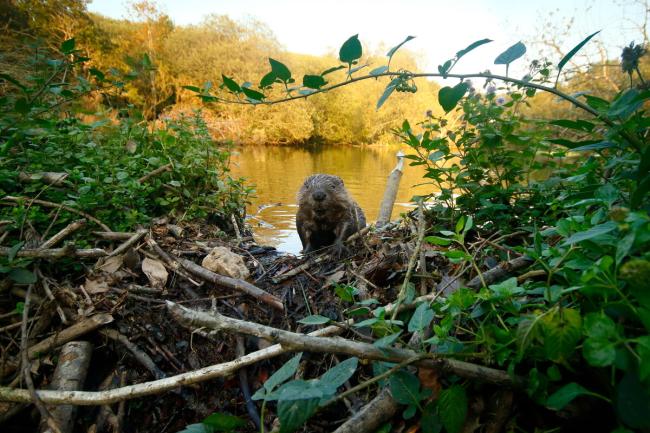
301 342
97 398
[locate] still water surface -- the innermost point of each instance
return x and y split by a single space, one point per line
278 173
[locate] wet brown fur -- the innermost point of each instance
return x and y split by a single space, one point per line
330 221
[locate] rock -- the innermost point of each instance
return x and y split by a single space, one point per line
223 261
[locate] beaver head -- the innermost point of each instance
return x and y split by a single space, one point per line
322 192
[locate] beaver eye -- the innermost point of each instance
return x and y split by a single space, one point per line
332 186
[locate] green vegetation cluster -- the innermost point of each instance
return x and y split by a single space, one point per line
576 329
63 158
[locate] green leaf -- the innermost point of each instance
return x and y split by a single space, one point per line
314 319
267 80
598 352
332 69
605 144
283 373
387 340
379 70
231 84
68 46
471 47
573 52
253 94
593 232
600 326
452 408
339 374
11 254
448 97
313 81
345 292
405 387
392 51
437 240
643 349
294 413
350 50
511 54
430 421
562 331
578 125
421 318
565 395
196 428
632 401
22 276
223 422
280 70
387 92
20 307
193 88
410 411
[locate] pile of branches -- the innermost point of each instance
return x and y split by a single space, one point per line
144 319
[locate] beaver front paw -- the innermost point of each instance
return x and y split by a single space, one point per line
339 250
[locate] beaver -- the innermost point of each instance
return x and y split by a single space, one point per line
327 215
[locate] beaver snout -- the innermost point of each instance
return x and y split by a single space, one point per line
319 195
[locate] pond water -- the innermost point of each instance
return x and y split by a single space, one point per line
278 172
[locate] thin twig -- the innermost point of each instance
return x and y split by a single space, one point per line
26 368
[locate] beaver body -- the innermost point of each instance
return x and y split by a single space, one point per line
327 215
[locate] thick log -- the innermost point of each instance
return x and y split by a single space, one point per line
371 416
57 253
69 375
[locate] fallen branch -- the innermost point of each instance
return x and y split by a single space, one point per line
128 243
371 416
156 172
90 398
70 228
207 275
499 272
58 205
69 375
114 236
72 333
301 342
57 253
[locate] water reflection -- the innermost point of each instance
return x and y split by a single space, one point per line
278 173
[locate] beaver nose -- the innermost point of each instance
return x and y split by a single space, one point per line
318 196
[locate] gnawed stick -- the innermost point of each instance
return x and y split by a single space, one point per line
71 333
371 416
69 229
69 375
301 342
207 275
156 172
57 253
90 398
128 243
499 272
58 205
114 236
392 185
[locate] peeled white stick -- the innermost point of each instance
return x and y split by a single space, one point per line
69 375
392 185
